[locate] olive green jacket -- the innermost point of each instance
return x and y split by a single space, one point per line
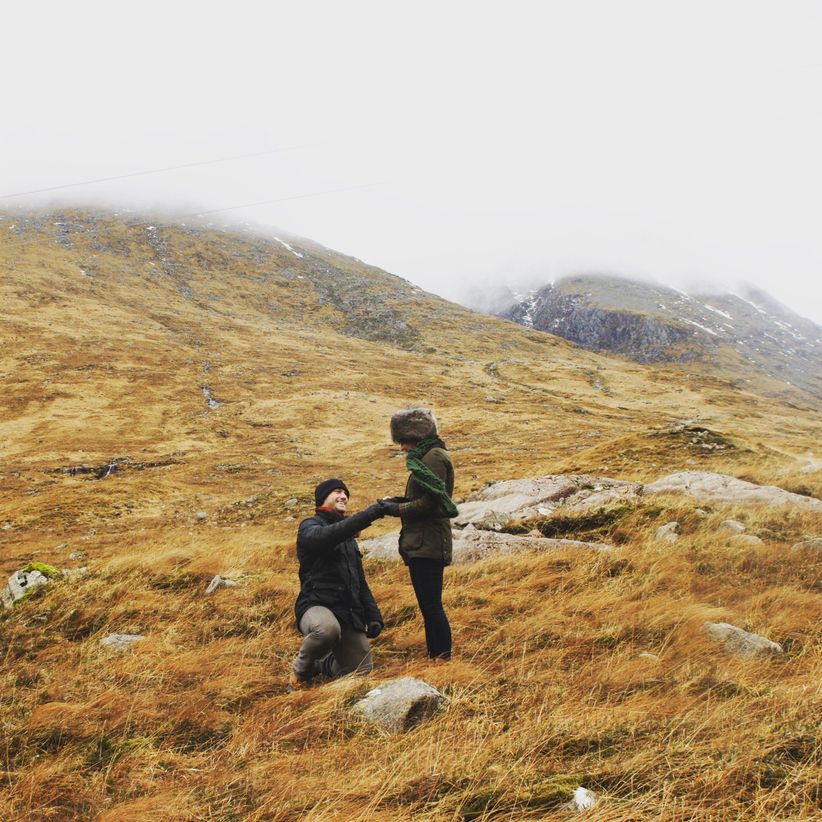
426 529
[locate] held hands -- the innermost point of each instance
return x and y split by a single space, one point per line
388 506
375 511
373 629
391 506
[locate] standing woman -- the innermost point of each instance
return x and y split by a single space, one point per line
425 538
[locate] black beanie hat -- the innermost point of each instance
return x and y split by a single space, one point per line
326 487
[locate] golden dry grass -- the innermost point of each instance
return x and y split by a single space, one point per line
547 690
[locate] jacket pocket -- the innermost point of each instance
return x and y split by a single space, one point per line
325 593
412 540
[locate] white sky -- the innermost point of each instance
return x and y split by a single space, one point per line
513 142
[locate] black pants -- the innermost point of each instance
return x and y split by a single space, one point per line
426 577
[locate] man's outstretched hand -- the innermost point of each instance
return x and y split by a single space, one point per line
391 508
375 511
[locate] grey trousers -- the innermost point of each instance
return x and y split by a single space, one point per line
330 648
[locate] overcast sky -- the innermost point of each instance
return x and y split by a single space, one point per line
451 143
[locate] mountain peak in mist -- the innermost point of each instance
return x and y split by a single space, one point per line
652 323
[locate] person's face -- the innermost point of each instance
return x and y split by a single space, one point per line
337 500
406 446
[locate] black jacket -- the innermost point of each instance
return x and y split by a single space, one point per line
331 572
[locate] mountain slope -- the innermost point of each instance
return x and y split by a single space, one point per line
170 396
750 334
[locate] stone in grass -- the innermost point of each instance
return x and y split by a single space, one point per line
744 539
648 656
583 799
399 705
814 544
731 526
741 642
668 532
119 642
21 583
220 582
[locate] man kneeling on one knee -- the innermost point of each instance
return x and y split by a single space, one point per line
335 609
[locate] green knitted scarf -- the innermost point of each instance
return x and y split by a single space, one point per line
426 477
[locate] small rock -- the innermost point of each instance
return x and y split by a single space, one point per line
732 525
649 656
291 503
739 641
492 399
119 642
814 544
744 539
400 704
583 799
220 582
701 512
290 519
668 532
77 556
201 515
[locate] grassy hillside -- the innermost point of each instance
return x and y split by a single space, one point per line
172 393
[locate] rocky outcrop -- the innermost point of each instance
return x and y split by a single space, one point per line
707 486
502 504
478 531
399 705
472 544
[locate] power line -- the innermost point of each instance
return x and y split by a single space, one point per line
155 171
284 199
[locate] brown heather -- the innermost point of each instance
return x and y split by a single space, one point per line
547 691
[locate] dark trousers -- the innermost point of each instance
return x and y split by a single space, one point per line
426 577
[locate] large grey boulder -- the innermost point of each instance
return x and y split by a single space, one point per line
399 705
704 485
472 544
503 503
741 642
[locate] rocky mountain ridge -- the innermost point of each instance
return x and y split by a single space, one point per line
656 323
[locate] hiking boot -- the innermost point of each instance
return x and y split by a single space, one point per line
296 684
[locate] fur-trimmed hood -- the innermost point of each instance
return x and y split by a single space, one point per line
413 425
